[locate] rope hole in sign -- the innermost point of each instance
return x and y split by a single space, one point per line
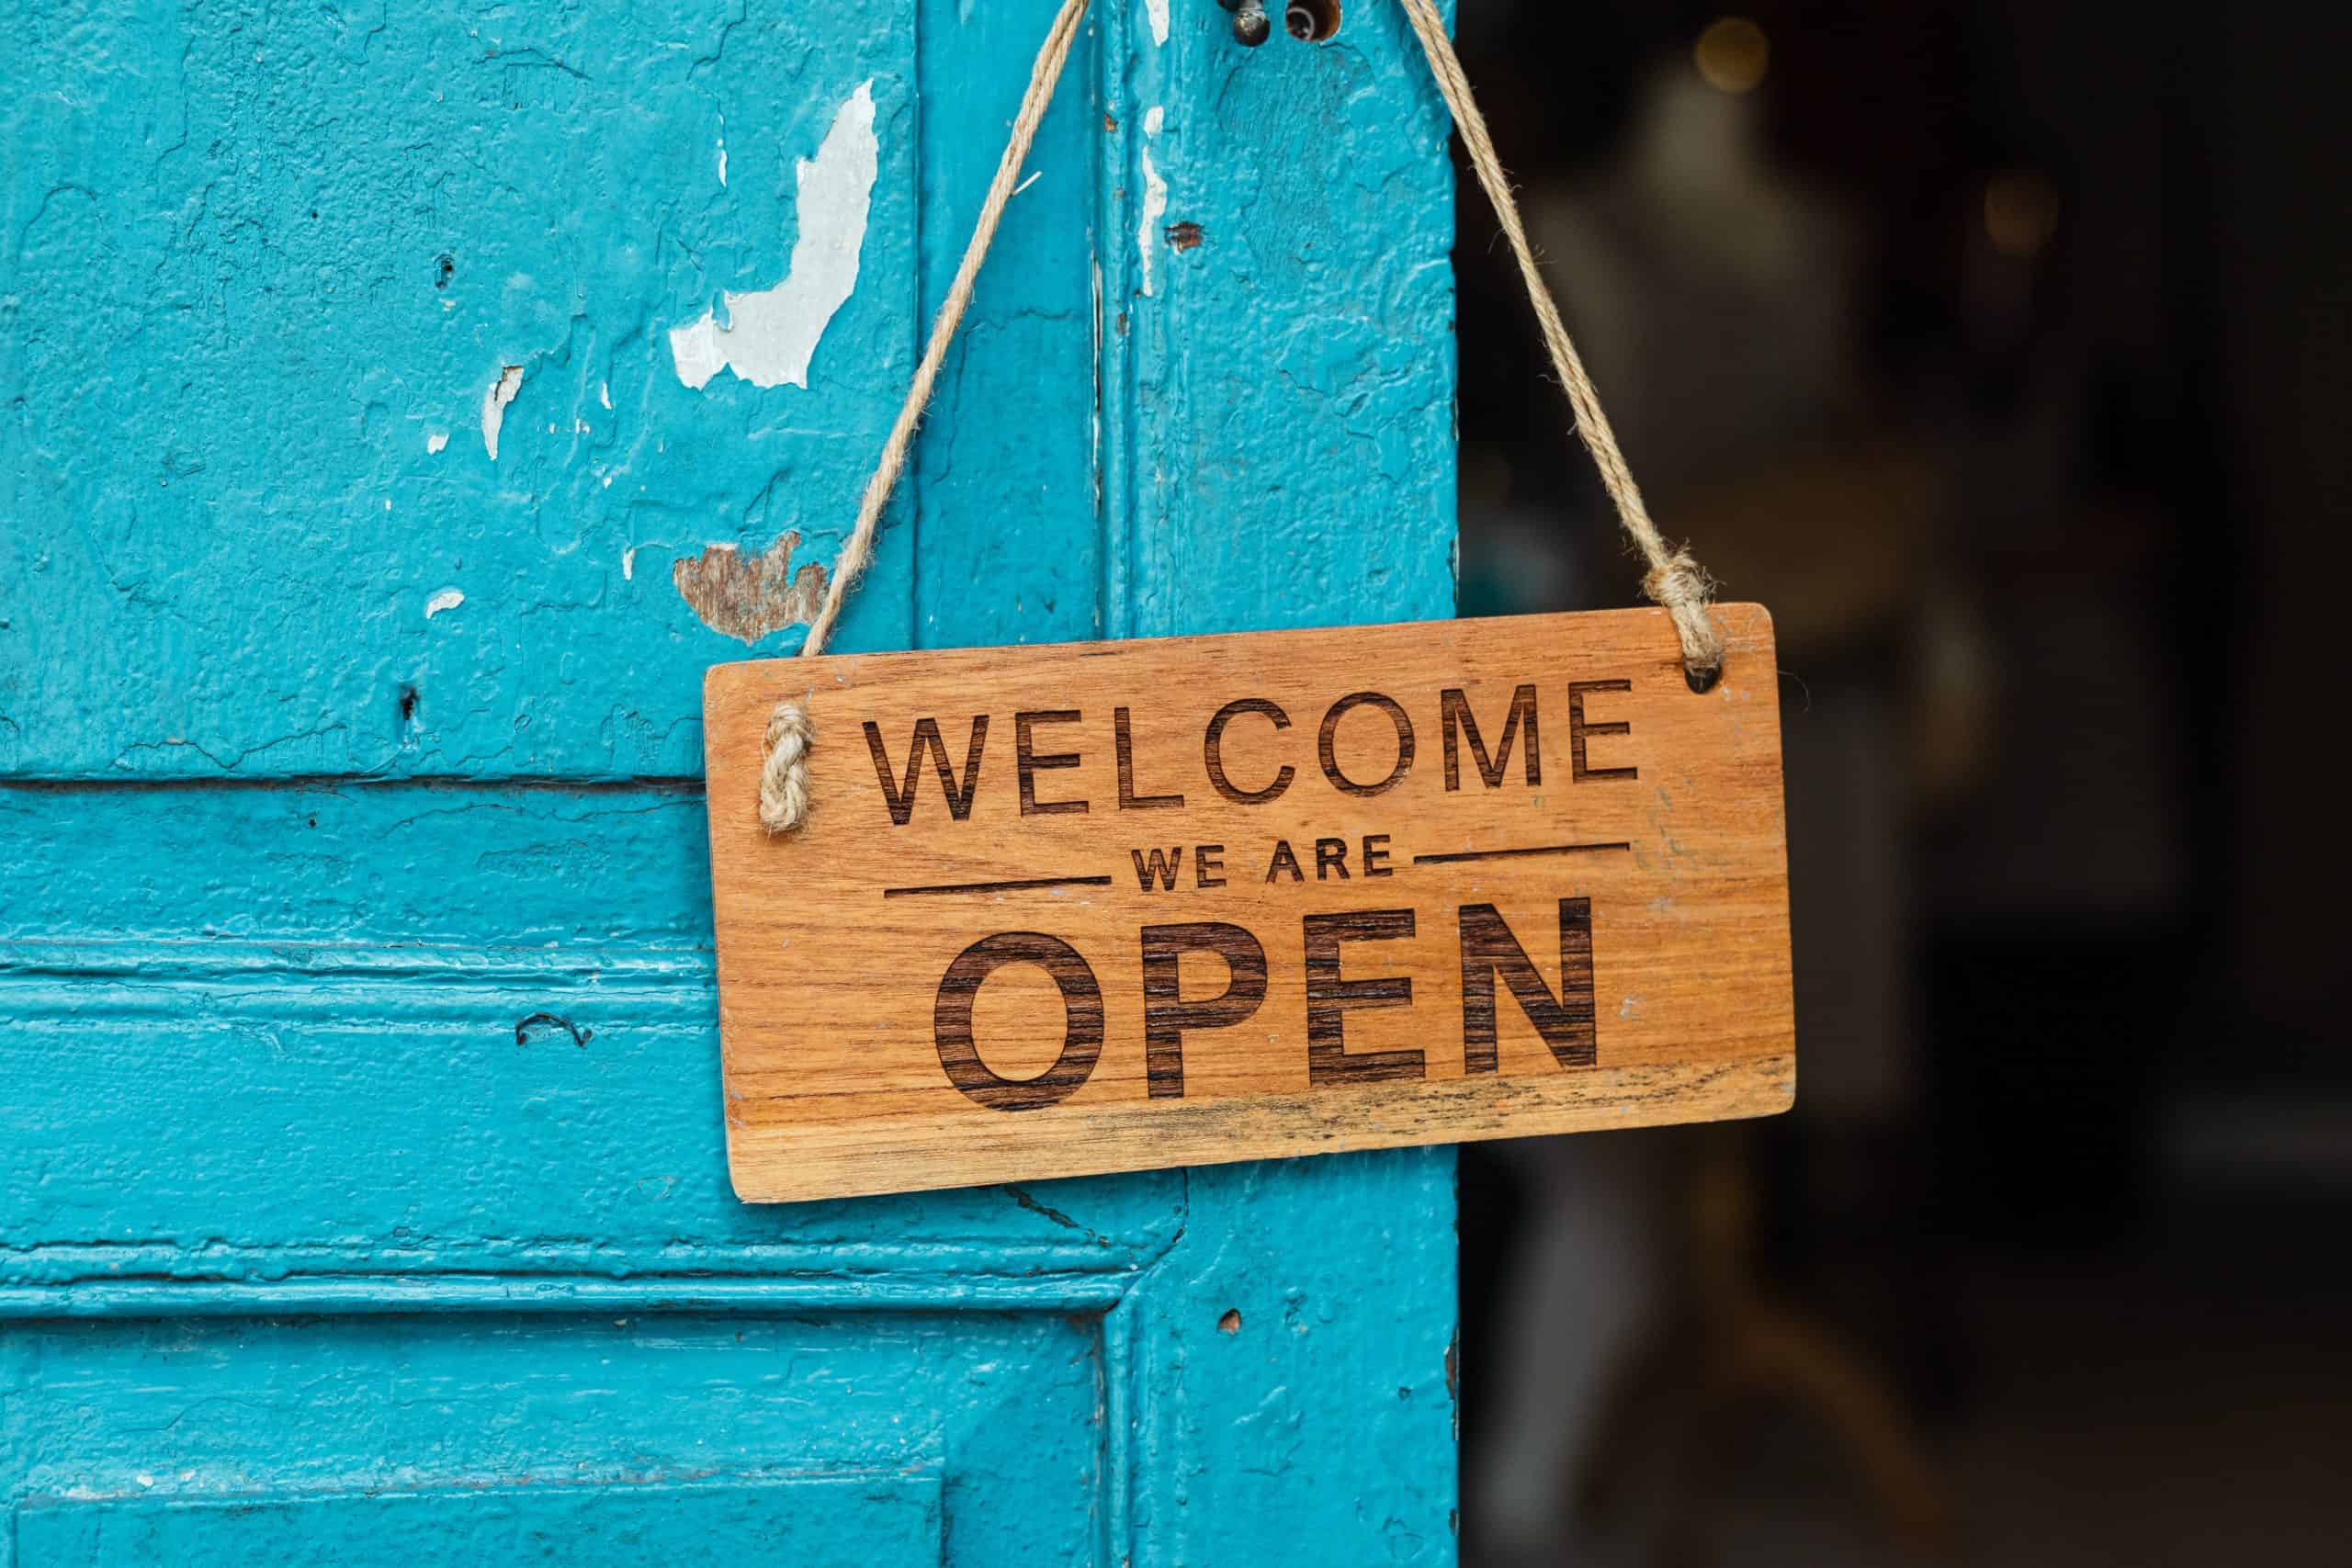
1311 21
1674 580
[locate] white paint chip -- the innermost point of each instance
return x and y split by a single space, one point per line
436 439
771 335
1155 195
605 393
1158 9
447 599
628 560
494 406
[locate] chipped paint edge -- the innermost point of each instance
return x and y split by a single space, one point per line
771 335
1154 206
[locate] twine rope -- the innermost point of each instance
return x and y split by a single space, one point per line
784 775
1674 580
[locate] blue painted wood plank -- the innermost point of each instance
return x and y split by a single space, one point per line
259 1031
278 1411
273 262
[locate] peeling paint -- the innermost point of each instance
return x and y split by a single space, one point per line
1157 10
629 560
605 393
747 598
436 439
1155 194
494 406
447 599
772 333
1094 360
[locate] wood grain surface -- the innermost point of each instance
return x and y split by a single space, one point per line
1106 907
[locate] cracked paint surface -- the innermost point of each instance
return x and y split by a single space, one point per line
287 1211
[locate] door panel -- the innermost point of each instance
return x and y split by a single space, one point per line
362 1177
407 1028
845 1522
309 242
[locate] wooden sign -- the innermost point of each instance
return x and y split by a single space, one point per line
1116 905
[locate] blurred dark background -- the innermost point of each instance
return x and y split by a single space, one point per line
2001 349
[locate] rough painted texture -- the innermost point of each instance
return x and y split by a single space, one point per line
358 1084
260 256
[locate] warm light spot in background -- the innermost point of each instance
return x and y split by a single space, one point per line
1733 54
2020 213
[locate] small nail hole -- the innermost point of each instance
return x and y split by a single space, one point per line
1231 1322
408 705
1312 20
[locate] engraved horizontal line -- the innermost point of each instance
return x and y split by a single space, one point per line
1516 855
943 889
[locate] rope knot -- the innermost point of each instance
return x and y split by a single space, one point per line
1679 580
1682 588
783 775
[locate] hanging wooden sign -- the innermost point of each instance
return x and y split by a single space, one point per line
1116 905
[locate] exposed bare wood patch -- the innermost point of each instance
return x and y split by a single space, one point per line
748 597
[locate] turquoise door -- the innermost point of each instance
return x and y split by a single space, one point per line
404 406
